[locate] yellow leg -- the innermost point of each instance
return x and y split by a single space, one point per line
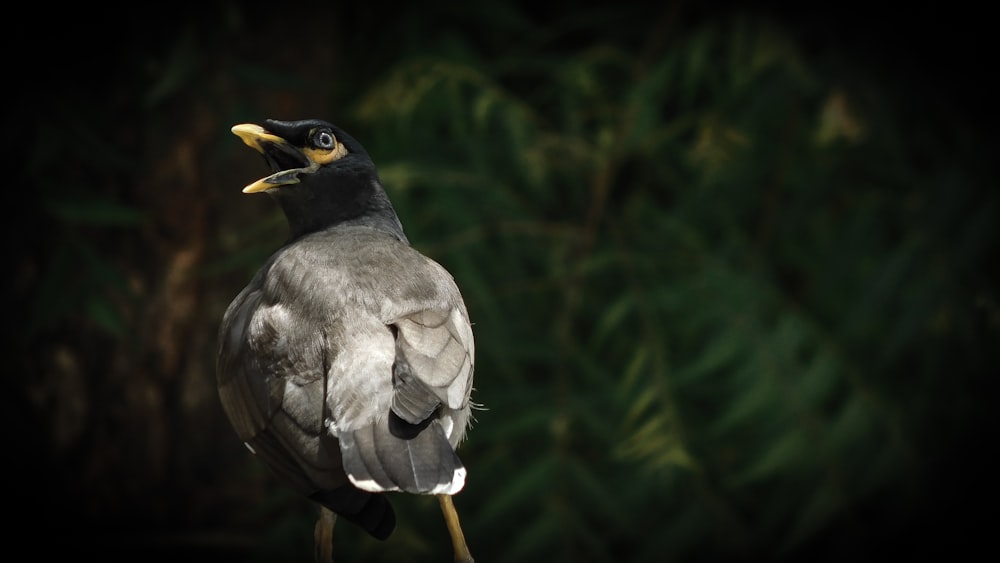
324 535
462 554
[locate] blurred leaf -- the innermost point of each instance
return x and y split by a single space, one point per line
106 317
96 212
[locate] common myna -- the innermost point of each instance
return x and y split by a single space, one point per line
346 364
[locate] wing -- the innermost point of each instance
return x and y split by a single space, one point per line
413 450
434 367
403 436
272 385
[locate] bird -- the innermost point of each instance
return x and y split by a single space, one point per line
346 363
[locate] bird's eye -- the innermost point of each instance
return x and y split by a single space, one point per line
324 140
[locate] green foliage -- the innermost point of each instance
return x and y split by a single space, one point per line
80 280
697 282
734 298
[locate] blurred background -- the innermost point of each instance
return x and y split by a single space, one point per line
733 271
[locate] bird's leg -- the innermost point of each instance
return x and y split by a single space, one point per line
462 554
324 535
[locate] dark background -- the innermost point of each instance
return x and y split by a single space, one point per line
733 271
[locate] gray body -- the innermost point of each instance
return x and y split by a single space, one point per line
346 365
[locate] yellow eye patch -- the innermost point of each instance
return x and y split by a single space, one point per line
325 156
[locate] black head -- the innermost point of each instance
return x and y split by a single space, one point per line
321 176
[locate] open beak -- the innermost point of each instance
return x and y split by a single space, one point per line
287 161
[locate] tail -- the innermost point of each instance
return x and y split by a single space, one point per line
376 460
